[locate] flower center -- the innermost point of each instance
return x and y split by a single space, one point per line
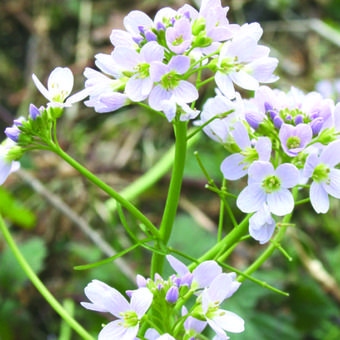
170 80
130 319
271 183
178 40
143 70
321 173
293 142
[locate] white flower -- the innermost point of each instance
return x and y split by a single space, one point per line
59 86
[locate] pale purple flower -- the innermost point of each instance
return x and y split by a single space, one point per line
294 139
202 275
7 166
236 165
139 85
179 37
170 85
102 92
59 87
192 325
243 62
326 178
107 299
221 321
220 128
266 185
34 112
262 225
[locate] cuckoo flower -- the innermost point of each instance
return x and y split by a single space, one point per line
59 87
107 299
262 225
236 165
221 288
179 36
294 139
326 178
139 85
266 185
170 84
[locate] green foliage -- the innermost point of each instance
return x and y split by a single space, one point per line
14 211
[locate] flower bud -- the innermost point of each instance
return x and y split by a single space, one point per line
172 294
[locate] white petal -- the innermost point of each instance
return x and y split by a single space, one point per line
333 188
157 95
138 89
141 300
244 80
331 154
60 82
280 202
251 198
233 167
41 87
229 321
225 85
185 92
288 174
206 272
319 198
116 330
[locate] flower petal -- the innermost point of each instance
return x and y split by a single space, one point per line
331 154
288 174
179 267
319 198
229 321
333 187
117 330
233 167
280 202
206 272
251 198
141 300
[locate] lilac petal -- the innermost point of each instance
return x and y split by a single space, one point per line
206 272
288 174
225 84
229 321
331 154
5 169
223 286
333 187
185 92
141 301
263 68
151 52
126 57
264 148
157 95
244 80
136 19
179 63
117 330
233 167
251 198
240 134
151 334
138 89
113 101
311 162
107 64
319 198
158 70
262 225
105 298
258 170
280 202
180 268
121 38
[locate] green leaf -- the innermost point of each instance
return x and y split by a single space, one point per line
11 209
12 277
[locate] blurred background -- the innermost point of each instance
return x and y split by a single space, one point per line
60 220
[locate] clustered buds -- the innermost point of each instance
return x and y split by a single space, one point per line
167 298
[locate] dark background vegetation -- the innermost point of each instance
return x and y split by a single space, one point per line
47 202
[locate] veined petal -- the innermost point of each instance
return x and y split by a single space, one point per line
319 198
331 154
229 321
152 51
157 95
258 170
311 162
185 92
117 330
233 167
127 58
179 267
206 272
157 70
251 198
333 187
244 80
264 148
288 174
240 134
141 300
121 38
179 63
138 89
262 225
136 19
225 84
280 202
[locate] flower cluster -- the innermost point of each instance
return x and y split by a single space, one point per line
156 60
281 141
155 297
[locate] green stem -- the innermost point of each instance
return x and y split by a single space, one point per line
173 193
227 242
95 180
40 286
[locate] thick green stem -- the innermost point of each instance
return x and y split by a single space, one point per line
112 193
173 194
40 286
